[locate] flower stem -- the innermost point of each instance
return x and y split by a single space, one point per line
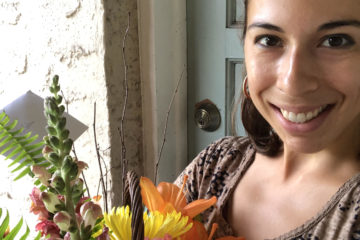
75 235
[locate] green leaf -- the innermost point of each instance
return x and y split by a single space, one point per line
14 231
42 162
35 146
23 164
14 133
12 234
12 125
5 120
35 153
6 140
2 115
26 234
18 158
20 146
28 140
13 153
38 236
8 147
23 173
26 135
37 182
4 224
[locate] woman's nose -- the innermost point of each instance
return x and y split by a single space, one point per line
297 73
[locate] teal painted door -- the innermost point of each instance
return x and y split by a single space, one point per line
215 64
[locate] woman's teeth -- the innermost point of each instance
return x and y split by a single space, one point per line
301 117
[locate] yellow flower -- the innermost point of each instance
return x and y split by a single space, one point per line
156 224
119 222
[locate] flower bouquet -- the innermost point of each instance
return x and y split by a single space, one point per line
58 198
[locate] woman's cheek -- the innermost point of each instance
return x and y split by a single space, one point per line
261 74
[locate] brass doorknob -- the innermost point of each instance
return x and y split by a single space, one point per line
207 116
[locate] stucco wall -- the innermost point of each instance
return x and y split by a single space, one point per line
116 22
81 41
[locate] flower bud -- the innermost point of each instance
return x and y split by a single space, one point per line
55 142
55 80
51 201
52 120
61 124
65 134
50 106
59 98
69 168
58 183
90 212
77 189
81 166
47 150
51 130
42 174
63 220
68 145
46 140
54 159
53 107
61 108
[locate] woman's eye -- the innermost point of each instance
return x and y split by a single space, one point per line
268 41
337 41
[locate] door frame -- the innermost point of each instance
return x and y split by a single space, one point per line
163 60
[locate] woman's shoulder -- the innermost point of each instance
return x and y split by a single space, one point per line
229 142
228 150
216 165
219 149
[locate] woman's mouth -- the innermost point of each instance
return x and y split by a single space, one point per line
302 121
302 117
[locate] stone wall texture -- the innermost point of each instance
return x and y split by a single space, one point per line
81 41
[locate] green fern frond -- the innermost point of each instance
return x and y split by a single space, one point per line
20 146
4 225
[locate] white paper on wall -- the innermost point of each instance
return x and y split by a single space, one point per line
28 109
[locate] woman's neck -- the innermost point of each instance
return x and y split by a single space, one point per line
340 159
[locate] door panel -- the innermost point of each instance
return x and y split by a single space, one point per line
215 64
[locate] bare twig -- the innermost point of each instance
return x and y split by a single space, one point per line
99 162
121 130
106 171
105 175
73 147
166 124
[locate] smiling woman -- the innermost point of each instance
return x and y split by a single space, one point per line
297 174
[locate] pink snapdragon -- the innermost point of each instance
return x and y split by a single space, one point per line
37 205
48 227
90 212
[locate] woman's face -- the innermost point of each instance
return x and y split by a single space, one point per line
303 66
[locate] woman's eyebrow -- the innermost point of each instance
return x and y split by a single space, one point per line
325 26
265 26
341 23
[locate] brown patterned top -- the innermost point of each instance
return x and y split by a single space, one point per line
217 170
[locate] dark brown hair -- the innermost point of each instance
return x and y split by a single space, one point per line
258 129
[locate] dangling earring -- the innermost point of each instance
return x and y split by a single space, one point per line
245 88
